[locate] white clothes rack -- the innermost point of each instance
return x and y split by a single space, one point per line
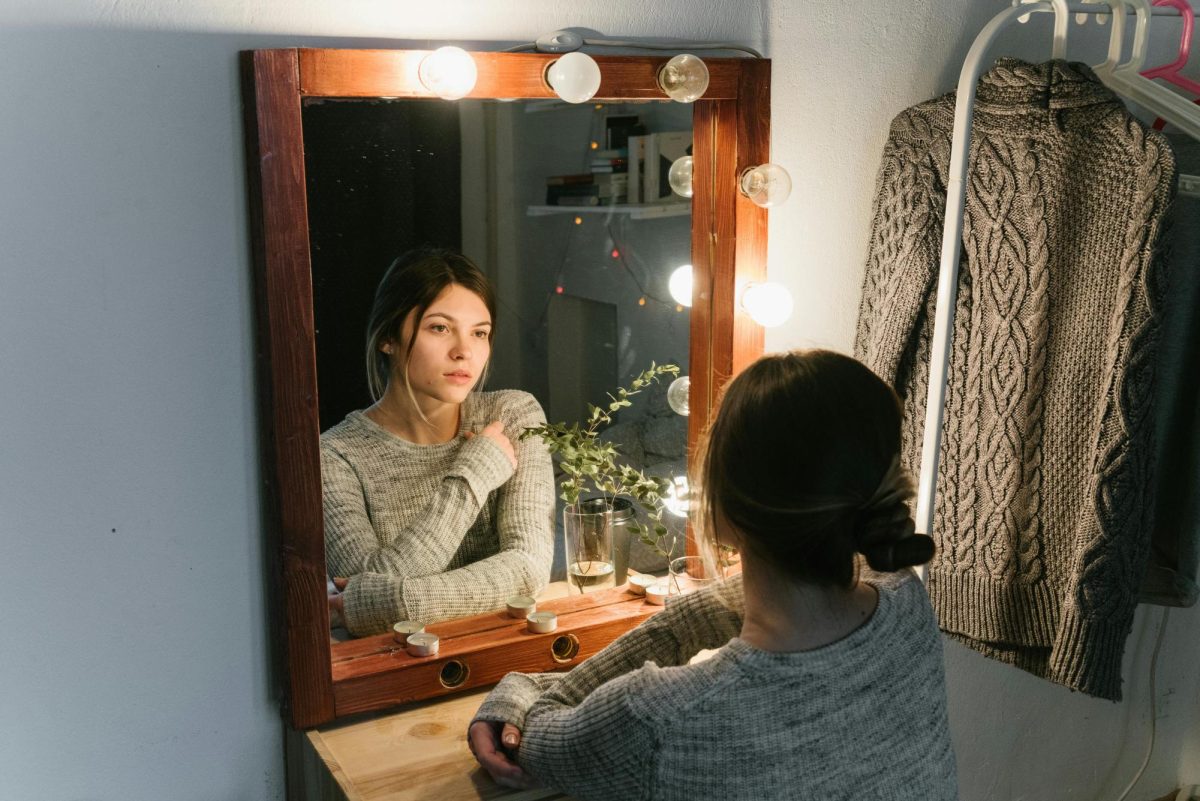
1180 113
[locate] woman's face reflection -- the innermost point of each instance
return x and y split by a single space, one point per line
451 348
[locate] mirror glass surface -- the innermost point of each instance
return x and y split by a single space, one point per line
537 193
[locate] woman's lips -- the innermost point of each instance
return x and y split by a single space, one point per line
458 378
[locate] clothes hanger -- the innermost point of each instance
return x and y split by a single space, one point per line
1125 79
1171 72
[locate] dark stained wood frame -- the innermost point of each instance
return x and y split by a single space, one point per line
729 240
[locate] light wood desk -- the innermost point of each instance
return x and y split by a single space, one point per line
417 754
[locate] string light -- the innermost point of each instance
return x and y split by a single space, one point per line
642 301
579 221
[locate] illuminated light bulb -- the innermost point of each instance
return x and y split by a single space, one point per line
680 285
616 254
595 145
677 395
766 185
678 497
680 176
684 78
558 290
641 301
679 307
448 72
769 304
579 221
599 106
575 77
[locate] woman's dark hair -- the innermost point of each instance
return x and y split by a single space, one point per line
803 460
411 283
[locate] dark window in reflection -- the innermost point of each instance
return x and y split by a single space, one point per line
383 177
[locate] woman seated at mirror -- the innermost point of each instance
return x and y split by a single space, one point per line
828 681
434 508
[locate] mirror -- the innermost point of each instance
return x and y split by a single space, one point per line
537 194
312 116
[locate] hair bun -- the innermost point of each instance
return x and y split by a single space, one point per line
893 555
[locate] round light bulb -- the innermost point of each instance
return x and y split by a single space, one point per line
677 395
575 77
448 72
769 304
684 78
680 285
678 498
680 176
766 185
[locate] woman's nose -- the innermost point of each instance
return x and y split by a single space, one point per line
461 349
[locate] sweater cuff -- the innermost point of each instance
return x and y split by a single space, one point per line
1087 653
511 699
482 464
372 602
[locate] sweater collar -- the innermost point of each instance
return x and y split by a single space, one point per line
1013 86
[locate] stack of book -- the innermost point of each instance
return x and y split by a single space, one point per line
607 182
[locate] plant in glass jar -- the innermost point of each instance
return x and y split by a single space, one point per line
587 461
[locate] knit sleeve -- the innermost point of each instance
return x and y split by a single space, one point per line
602 748
524 526
354 545
1113 529
905 243
705 619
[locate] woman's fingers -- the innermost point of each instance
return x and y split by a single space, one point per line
340 583
510 735
482 738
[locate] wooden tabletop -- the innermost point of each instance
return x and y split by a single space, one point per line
416 754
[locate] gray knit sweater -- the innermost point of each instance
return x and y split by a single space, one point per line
1045 488
431 532
863 717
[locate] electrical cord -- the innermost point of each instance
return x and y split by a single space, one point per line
1162 627
673 46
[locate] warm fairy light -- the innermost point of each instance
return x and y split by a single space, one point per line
641 301
678 308
579 221
595 145
558 289
616 254
599 105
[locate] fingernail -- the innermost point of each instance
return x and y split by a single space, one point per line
510 739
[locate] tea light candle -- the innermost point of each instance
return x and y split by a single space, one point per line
521 606
657 594
542 622
401 630
638 583
423 644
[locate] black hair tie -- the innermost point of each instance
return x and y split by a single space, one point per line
888 557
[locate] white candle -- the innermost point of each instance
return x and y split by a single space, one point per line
657 594
542 622
401 630
521 606
423 644
638 583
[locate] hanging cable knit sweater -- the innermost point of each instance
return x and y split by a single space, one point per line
1045 490
862 717
432 532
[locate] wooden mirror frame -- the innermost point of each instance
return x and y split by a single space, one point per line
731 131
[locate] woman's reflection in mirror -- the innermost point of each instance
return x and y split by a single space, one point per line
433 508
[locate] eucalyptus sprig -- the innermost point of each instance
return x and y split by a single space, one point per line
587 459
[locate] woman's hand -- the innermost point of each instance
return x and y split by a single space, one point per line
485 738
495 432
337 605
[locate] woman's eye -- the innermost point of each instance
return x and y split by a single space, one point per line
481 334
438 328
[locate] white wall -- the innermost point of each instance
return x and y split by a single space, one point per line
138 656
